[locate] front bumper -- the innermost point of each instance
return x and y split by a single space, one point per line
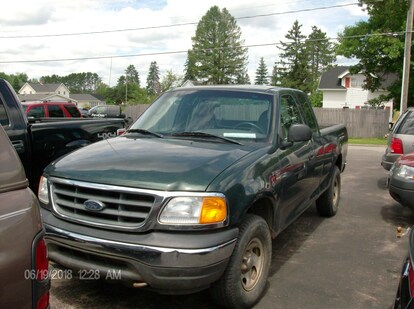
403 196
388 160
168 262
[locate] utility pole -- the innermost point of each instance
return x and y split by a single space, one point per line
407 59
126 88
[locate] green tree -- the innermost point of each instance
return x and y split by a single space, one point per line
262 77
217 55
295 59
170 80
128 90
153 80
243 79
132 75
277 72
321 53
378 44
16 80
85 82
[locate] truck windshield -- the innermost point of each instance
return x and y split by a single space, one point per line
224 113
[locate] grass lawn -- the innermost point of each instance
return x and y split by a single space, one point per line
367 141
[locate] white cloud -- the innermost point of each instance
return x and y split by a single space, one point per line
45 17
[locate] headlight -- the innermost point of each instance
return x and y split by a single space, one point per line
194 210
405 171
43 192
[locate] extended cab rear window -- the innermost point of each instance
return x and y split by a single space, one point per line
73 111
35 111
55 111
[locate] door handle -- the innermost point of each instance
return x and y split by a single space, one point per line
18 146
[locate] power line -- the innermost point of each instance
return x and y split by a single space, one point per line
174 25
387 34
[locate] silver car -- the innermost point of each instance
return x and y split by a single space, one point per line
400 140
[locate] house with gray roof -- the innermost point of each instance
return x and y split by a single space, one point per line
56 92
342 89
86 100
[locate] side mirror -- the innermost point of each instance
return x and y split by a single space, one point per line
299 133
31 119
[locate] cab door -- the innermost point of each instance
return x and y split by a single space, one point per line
317 159
296 164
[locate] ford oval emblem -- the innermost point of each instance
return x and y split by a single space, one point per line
93 205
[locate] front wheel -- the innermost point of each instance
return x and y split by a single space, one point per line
245 278
327 203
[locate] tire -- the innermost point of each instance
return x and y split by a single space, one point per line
327 203
245 277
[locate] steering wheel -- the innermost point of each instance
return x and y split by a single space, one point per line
249 124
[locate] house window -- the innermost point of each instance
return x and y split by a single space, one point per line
357 81
58 92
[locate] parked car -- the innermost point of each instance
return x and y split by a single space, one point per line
23 255
405 292
47 139
106 111
46 109
84 112
191 195
401 180
400 140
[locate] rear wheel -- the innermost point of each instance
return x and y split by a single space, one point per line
245 278
327 203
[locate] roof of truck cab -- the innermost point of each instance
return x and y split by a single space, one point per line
47 102
254 88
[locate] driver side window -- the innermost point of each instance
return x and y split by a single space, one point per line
289 114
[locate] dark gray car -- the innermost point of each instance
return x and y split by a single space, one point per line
400 140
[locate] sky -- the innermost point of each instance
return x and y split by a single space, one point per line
46 37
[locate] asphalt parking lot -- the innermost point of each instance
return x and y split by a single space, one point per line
352 260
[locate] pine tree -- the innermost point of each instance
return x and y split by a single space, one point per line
321 53
217 55
277 72
294 59
132 75
153 80
128 88
261 74
243 79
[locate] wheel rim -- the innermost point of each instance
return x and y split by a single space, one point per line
335 192
252 264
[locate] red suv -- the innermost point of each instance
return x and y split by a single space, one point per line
51 109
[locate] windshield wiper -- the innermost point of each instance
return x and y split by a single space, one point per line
206 135
144 132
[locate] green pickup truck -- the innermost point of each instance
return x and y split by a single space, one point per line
192 194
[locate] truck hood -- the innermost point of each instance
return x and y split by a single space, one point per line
149 163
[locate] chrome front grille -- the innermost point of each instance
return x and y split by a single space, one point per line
123 208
